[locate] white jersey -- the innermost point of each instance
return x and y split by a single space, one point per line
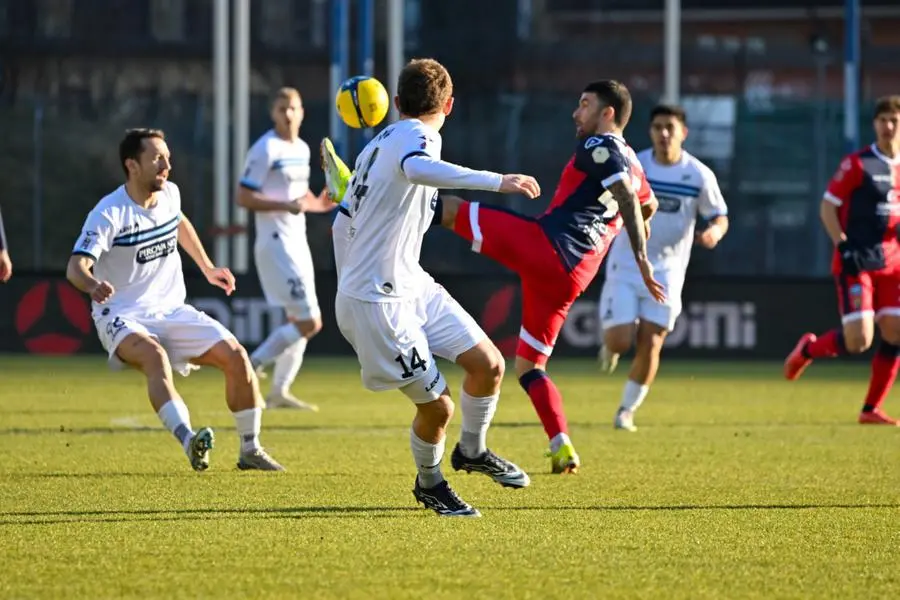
684 190
136 250
279 170
389 216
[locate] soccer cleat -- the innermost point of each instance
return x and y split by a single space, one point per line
337 174
443 500
608 360
499 469
796 362
261 372
564 460
877 417
288 400
624 420
199 447
258 460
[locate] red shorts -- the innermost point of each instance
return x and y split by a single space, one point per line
868 294
519 243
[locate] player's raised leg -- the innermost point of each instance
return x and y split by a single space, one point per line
145 354
244 400
337 173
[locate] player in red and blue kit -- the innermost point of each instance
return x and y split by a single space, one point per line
558 254
861 214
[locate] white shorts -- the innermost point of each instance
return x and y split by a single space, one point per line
395 341
624 301
185 333
287 277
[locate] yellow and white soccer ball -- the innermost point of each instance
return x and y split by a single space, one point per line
362 102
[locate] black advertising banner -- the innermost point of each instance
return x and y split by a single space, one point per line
722 318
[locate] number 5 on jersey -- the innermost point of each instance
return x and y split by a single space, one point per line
415 362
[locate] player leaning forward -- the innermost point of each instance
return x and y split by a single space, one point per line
137 290
394 314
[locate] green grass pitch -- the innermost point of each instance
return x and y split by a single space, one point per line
737 485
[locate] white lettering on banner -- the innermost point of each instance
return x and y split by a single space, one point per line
249 319
704 325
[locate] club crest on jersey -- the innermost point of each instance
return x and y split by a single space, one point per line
157 250
88 240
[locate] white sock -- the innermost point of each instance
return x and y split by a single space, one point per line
633 395
175 416
428 459
277 342
249 422
477 414
558 440
287 365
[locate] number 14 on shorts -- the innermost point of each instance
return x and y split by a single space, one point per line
409 366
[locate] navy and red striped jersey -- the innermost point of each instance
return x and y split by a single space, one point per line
866 190
583 218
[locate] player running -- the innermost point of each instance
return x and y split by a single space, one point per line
130 241
558 254
394 314
684 187
861 214
275 186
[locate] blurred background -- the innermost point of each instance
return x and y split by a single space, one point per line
764 83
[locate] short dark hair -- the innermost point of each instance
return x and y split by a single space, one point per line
669 110
286 93
423 88
887 104
132 144
615 95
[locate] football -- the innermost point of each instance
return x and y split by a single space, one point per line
362 102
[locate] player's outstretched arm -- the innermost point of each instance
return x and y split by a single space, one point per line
190 241
630 209
427 170
78 272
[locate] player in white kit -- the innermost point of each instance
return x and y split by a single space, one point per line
275 186
394 314
130 241
685 187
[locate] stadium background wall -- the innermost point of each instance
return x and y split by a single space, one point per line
727 318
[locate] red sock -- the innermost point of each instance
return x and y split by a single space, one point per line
885 365
828 345
547 401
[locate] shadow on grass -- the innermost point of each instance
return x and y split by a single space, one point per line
386 429
199 514
14 518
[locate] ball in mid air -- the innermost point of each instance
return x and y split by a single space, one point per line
362 102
